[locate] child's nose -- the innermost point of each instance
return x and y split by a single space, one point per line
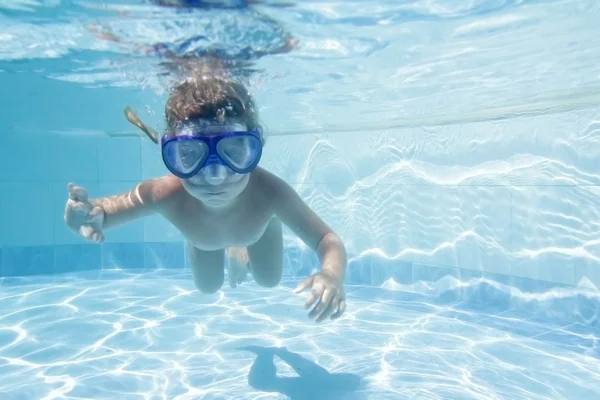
215 174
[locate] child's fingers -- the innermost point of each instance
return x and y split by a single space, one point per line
70 188
82 209
89 233
98 237
77 193
95 214
303 285
340 310
315 295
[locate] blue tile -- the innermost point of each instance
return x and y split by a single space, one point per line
535 285
587 309
157 230
23 261
536 301
483 226
426 280
308 263
75 157
500 278
587 274
576 337
119 159
77 257
291 259
466 275
123 255
27 216
550 217
152 164
358 271
383 269
12 150
164 255
520 324
480 294
432 273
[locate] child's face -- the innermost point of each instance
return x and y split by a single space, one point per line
215 184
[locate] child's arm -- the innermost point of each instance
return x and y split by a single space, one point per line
326 287
311 229
144 199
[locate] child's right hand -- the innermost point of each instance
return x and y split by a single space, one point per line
82 216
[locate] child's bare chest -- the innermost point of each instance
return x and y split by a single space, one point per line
239 227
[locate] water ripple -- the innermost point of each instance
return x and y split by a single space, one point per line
457 197
152 335
435 63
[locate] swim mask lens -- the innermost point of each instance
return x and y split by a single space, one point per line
186 154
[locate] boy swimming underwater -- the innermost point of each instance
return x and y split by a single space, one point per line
220 200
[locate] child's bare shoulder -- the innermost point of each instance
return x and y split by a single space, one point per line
270 184
162 191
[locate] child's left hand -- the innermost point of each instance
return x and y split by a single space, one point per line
327 295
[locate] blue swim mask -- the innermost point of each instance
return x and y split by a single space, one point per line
198 145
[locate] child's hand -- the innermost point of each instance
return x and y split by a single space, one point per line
327 295
82 216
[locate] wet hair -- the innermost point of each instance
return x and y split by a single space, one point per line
210 96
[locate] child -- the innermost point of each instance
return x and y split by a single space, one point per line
219 199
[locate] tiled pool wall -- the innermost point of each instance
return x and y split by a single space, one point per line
369 269
408 281
517 199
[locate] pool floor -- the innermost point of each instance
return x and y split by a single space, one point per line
153 336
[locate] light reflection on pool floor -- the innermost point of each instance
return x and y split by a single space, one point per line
152 336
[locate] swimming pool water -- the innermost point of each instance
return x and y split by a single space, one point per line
404 123
152 335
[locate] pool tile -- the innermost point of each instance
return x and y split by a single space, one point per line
157 230
152 165
123 255
119 160
432 273
79 150
358 271
24 261
546 219
291 257
578 338
521 323
587 309
164 255
308 263
434 280
485 291
77 257
382 269
27 214
14 147
484 217
587 274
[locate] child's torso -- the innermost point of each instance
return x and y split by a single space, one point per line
241 226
